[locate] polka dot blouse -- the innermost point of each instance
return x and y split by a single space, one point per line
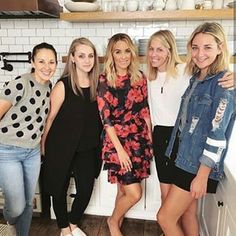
23 124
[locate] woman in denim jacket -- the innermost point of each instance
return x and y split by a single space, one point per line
204 124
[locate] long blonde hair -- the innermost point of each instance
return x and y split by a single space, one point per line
70 69
109 65
167 39
222 60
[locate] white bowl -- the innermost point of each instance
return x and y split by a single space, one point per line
132 5
81 6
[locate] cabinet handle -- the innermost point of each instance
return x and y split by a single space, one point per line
72 195
219 203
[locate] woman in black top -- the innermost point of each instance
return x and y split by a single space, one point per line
71 138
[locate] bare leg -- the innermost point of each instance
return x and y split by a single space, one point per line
190 221
132 194
175 205
165 188
120 193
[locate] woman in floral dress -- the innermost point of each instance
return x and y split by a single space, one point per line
123 106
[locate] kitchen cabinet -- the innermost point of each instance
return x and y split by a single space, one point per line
218 211
1 200
229 227
177 15
37 205
212 207
103 197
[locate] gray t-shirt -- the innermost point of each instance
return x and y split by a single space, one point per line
23 123
183 118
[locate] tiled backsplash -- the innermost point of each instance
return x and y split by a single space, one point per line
20 35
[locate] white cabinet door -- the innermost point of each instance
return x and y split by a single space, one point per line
212 210
108 194
229 191
229 228
153 193
94 200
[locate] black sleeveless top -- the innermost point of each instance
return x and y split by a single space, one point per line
77 126
88 136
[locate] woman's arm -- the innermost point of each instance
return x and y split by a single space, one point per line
149 124
145 112
105 101
4 107
56 99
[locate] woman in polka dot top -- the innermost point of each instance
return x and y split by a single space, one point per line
24 105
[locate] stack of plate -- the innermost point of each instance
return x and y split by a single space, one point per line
142 46
181 46
81 5
83 0
232 4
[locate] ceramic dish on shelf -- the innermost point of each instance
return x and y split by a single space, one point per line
232 4
83 0
81 6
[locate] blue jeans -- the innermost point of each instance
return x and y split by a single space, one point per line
19 171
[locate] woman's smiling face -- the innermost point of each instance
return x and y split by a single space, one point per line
122 57
204 51
158 55
44 64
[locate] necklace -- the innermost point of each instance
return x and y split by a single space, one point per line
162 87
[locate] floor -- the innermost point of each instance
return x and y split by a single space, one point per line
94 226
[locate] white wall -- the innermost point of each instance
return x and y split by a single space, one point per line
20 35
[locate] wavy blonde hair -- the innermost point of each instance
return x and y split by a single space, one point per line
70 69
109 65
167 39
222 60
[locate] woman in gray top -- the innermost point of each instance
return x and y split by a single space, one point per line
24 105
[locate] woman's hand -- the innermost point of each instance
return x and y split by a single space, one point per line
42 147
150 135
228 80
124 159
198 187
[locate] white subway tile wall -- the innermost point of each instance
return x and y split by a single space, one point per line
20 35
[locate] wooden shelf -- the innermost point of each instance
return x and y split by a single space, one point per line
99 16
142 59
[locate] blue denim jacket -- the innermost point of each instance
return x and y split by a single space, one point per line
210 118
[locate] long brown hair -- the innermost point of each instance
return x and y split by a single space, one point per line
70 68
109 66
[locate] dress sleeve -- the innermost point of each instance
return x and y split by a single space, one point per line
13 91
223 111
105 99
149 85
144 112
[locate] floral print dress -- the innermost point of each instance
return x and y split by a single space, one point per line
125 108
